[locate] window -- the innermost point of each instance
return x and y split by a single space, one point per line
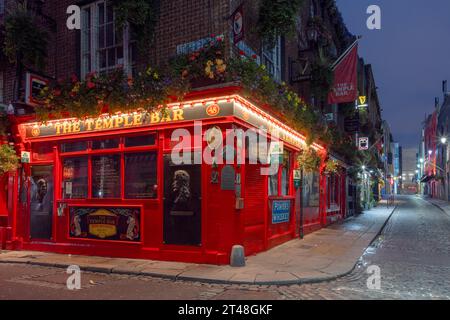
106 176
278 184
271 58
74 146
147 140
140 173
105 144
102 47
2 8
75 178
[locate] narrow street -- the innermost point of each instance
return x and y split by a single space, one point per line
412 252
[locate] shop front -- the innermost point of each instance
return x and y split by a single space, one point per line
160 185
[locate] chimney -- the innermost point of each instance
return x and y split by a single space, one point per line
436 102
444 88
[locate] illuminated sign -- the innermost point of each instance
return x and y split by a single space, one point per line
363 143
361 102
174 113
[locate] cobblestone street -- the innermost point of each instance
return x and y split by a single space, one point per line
412 252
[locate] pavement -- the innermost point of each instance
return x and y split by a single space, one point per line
324 255
441 204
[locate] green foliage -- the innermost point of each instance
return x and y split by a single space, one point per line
141 15
331 166
105 93
8 159
277 18
148 89
322 79
309 160
25 42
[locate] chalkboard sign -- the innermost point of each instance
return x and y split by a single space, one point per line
227 178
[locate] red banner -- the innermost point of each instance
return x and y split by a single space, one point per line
345 79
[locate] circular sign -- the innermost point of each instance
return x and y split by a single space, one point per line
213 136
212 110
35 131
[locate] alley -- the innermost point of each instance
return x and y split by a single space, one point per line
412 252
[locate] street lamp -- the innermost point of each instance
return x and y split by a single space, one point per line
443 140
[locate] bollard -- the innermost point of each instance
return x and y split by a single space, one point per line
237 258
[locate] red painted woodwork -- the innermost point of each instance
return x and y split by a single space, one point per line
222 225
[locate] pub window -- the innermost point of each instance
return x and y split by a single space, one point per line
106 176
103 47
140 173
74 146
75 178
271 58
105 144
279 182
137 141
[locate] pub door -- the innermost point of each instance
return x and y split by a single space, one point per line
182 203
41 202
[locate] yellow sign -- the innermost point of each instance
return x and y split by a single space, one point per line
362 99
102 223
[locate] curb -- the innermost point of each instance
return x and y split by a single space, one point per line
216 281
437 206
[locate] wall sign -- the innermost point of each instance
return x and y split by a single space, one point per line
105 223
281 210
363 143
227 178
297 178
33 86
361 102
25 156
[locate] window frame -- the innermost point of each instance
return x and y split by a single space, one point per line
279 175
121 150
271 58
93 42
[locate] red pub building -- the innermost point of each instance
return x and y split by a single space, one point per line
110 186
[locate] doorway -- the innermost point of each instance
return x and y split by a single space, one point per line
41 202
182 203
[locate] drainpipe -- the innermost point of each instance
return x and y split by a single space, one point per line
301 205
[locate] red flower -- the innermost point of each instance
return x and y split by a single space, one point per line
241 53
74 78
213 35
254 56
192 58
90 85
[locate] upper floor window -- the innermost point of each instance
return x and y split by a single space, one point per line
2 7
103 47
271 58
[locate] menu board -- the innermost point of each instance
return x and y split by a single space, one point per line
106 176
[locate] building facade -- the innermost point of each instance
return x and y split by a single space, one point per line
107 185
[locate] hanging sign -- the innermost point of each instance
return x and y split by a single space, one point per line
363 143
33 86
361 102
238 24
297 178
